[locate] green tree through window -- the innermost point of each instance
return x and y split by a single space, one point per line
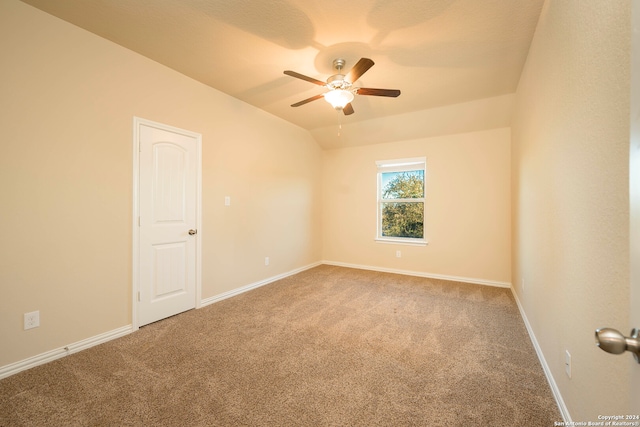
402 215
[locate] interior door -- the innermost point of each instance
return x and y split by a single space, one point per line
168 219
610 339
634 198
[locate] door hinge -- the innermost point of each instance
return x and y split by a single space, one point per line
138 296
139 222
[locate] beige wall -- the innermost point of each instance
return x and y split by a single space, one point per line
67 101
467 220
570 138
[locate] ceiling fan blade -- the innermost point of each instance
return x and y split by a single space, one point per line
359 69
305 101
303 77
378 92
348 109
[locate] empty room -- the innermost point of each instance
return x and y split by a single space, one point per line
393 213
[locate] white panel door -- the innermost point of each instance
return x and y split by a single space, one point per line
168 185
634 199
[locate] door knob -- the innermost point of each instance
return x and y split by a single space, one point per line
612 341
192 232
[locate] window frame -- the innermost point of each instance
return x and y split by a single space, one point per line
400 165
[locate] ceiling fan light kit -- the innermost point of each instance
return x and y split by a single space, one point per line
338 98
341 92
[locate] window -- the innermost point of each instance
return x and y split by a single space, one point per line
401 194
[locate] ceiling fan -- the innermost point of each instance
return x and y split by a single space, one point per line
341 91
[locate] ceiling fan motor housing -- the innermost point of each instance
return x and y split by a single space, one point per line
337 81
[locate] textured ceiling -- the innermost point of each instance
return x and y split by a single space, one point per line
437 52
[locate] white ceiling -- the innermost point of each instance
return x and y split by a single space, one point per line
437 52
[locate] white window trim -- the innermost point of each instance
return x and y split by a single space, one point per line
398 165
402 241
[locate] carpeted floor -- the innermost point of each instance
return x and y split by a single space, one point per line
328 347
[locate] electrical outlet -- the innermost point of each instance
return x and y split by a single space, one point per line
31 320
266 260
398 254
227 200
567 363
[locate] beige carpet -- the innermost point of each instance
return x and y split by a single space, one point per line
328 347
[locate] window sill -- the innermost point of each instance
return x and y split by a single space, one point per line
401 241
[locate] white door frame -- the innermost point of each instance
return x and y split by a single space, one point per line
634 202
137 122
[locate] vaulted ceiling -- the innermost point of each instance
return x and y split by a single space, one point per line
437 52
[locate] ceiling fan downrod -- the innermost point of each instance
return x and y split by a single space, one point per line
337 81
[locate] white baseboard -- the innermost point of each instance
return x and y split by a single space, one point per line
50 356
246 288
564 411
422 274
